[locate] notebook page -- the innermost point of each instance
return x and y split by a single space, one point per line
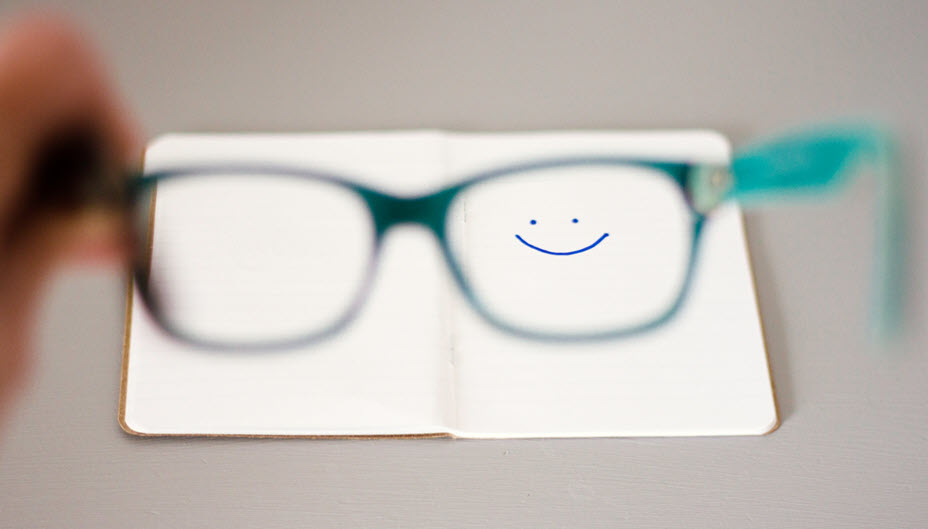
704 373
386 373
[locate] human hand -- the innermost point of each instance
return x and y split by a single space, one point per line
50 77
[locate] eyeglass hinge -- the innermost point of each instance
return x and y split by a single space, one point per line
708 186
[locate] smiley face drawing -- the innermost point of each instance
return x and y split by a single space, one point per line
551 252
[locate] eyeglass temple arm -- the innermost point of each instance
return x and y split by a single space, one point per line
818 161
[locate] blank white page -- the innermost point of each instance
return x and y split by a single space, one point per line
703 373
386 373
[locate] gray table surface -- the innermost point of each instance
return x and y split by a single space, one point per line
851 448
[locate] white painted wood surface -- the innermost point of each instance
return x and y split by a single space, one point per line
851 451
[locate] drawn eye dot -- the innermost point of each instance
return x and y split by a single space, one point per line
533 221
575 221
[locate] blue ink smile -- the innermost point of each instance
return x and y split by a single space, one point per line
549 252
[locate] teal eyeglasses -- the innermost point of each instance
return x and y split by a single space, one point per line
584 248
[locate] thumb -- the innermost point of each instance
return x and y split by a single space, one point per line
50 242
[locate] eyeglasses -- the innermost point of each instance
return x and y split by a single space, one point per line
258 256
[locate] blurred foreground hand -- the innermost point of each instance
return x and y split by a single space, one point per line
49 77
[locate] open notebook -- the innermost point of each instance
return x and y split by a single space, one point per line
419 362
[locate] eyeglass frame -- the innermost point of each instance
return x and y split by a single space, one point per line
746 179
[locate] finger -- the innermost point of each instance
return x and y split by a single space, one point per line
49 76
48 242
